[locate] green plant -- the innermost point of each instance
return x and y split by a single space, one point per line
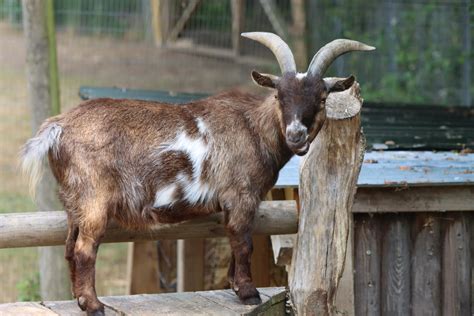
29 288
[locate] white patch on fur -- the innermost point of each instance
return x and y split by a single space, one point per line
300 75
34 152
202 127
295 126
194 190
165 196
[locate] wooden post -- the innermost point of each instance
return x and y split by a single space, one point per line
190 265
238 17
43 90
328 179
143 275
298 33
160 21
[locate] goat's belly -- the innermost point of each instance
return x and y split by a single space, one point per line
178 213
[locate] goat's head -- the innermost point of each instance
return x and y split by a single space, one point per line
302 96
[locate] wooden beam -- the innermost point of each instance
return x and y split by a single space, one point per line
43 91
298 33
49 228
414 199
143 275
190 267
179 26
328 181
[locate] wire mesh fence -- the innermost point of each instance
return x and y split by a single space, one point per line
423 55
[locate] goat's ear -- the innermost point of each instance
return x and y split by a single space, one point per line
265 80
338 84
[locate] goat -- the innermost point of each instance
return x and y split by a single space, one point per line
142 163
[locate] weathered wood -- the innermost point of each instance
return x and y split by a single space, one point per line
282 246
25 308
179 26
456 265
70 308
414 199
49 228
368 251
143 274
345 292
327 187
426 265
396 266
238 19
43 92
190 270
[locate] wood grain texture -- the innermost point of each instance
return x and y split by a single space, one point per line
368 252
25 308
395 271
426 265
414 199
49 228
456 265
328 180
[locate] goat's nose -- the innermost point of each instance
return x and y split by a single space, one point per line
295 136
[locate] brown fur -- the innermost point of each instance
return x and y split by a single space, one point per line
107 167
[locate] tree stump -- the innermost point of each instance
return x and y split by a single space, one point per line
328 179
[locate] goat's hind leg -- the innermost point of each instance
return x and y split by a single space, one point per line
91 230
73 232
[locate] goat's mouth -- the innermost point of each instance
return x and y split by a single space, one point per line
299 149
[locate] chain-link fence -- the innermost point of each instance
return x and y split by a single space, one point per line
424 55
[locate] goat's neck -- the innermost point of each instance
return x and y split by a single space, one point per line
266 120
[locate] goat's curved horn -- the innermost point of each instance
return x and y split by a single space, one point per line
329 52
278 47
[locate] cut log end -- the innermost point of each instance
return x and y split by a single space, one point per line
344 104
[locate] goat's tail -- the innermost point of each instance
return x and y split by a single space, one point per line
34 152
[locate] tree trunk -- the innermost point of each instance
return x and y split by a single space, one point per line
43 89
328 181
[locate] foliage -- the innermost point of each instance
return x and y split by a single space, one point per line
29 288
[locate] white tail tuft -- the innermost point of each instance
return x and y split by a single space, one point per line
34 152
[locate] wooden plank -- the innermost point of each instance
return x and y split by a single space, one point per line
261 260
414 199
396 265
70 308
456 264
25 308
190 261
160 20
179 26
49 228
426 265
282 246
345 299
143 275
144 305
368 253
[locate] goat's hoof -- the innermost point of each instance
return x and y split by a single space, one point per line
82 302
97 312
252 300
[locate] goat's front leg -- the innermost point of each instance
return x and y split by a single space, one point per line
239 230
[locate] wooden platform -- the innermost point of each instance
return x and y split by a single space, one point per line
222 302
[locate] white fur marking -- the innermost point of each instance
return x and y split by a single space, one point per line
202 127
35 150
195 191
300 75
165 196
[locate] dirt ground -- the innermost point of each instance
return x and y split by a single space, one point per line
88 61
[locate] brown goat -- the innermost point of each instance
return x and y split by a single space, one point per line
143 163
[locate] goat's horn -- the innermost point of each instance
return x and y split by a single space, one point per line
278 47
329 52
